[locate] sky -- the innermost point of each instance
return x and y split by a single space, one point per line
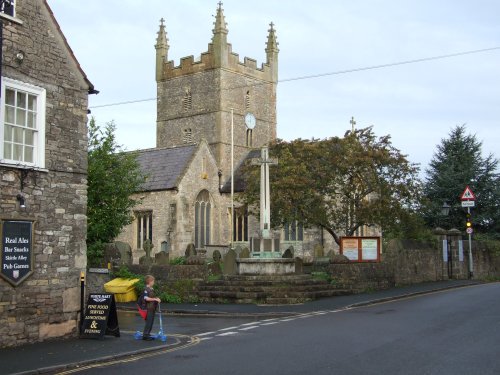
417 104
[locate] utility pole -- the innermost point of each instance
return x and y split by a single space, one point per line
469 200
469 232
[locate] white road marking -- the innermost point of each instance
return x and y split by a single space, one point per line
249 324
206 338
228 328
287 320
269 323
227 333
269 320
205 334
247 328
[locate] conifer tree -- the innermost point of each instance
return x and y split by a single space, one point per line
458 162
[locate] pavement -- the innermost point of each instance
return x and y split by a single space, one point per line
64 355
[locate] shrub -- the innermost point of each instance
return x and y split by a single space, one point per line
178 261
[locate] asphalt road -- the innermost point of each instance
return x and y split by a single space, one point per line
451 332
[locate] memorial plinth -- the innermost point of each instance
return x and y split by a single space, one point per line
262 266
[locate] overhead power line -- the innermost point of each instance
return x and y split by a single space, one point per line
312 76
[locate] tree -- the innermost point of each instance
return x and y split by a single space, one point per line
113 176
459 162
338 184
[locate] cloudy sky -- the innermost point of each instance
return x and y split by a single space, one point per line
417 104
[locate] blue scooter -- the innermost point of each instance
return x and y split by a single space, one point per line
159 336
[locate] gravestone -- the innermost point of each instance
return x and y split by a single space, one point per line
146 260
299 266
338 259
288 253
245 253
112 255
216 256
125 252
237 249
162 258
148 247
230 267
190 251
164 246
195 260
318 251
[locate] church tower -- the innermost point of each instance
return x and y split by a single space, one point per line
194 99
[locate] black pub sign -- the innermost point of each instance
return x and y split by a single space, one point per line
100 317
17 250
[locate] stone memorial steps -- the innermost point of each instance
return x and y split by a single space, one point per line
264 288
281 289
270 278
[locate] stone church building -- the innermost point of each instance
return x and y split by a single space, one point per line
186 198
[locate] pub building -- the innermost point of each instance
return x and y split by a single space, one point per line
43 176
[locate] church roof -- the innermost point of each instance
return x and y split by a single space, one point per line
164 166
239 182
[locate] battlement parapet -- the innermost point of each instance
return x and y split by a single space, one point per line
207 61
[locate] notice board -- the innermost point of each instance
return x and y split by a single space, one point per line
360 249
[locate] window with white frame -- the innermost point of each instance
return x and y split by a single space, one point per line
144 227
22 123
202 220
8 7
240 225
293 231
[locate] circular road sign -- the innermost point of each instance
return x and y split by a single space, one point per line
469 230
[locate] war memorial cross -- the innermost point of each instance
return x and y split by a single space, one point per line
265 197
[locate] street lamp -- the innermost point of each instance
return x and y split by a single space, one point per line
445 209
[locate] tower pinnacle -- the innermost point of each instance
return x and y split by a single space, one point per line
220 29
161 47
219 39
272 50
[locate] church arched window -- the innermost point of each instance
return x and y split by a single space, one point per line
202 219
240 225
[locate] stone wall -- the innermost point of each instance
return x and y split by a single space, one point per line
94 282
172 272
356 277
46 304
411 262
414 262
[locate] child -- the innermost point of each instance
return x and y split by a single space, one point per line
151 303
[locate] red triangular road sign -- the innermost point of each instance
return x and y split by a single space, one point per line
468 195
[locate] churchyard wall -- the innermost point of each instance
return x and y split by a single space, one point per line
410 262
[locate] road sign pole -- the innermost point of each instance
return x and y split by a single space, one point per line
471 265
